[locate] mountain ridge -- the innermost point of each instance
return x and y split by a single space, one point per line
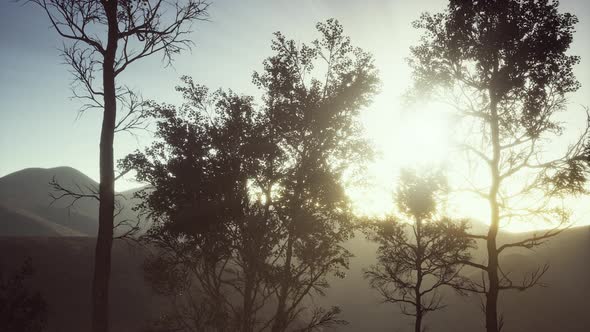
28 196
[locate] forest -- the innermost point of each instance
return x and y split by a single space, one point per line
243 219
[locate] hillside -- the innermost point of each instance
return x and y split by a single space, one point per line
27 208
19 222
560 306
63 274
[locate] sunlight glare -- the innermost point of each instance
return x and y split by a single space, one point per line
403 139
422 138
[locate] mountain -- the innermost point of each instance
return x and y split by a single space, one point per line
19 222
28 209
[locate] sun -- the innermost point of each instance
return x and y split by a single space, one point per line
413 138
424 138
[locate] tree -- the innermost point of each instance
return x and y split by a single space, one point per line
20 309
250 201
502 66
107 36
213 238
419 253
313 119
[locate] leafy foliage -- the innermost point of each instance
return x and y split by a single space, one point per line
503 66
248 202
419 252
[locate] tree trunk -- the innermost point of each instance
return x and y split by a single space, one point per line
249 281
280 323
418 293
104 241
494 283
247 303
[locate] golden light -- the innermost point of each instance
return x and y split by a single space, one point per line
422 138
403 139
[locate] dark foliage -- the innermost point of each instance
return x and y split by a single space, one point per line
419 252
21 310
248 202
503 66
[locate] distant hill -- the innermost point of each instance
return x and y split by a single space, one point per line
27 209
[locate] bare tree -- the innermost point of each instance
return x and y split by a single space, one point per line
502 66
420 252
102 38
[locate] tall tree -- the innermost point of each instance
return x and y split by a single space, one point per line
503 66
107 36
313 95
212 234
265 185
419 252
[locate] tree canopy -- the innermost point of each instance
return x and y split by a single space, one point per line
504 67
420 250
251 197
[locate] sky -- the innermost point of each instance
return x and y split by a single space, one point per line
40 125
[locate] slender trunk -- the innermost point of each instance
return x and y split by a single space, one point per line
417 292
280 323
494 283
418 324
249 282
104 241
247 303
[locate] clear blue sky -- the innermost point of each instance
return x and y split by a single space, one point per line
38 126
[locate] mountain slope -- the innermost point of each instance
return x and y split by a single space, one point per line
19 222
30 187
63 268
560 306
63 273
25 197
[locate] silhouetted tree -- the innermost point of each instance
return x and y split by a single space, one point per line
249 203
313 95
419 252
106 37
502 65
213 236
20 309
